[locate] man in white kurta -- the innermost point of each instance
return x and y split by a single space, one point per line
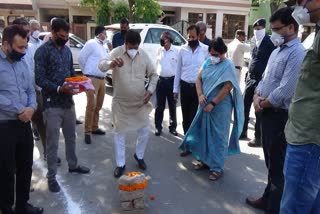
236 50
130 105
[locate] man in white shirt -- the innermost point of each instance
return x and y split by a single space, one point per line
190 58
89 57
236 50
166 69
34 34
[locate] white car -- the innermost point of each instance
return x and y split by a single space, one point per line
76 44
307 43
150 38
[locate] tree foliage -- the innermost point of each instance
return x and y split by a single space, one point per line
120 10
102 7
147 11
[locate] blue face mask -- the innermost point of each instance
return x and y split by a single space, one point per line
15 55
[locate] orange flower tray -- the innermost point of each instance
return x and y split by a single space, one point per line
133 187
76 79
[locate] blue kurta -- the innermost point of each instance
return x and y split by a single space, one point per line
208 137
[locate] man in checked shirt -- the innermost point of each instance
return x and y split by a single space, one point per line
272 98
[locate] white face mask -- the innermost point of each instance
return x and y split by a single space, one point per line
132 53
259 34
35 34
277 39
214 60
301 15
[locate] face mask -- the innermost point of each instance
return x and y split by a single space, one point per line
277 39
214 60
105 41
61 42
193 43
162 42
35 34
123 32
132 53
301 15
15 55
259 34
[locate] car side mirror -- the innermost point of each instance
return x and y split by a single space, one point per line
79 46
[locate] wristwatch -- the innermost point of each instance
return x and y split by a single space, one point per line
213 103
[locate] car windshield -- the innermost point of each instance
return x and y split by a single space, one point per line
79 39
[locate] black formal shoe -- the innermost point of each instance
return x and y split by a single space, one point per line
174 132
80 170
99 132
118 172
78 122
185 153
157 132
257 203
28 209
59 161
141 163
243 136
254 143
53 185
87 138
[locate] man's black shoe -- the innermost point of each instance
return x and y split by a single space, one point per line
141 163
78 122
174 132
80 170
53 185
99 132
28 209
157 132
254 143
257 203
118 172
87 138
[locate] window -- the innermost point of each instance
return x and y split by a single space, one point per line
195 17
154 34
211 23
231 23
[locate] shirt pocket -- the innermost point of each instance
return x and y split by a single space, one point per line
278 67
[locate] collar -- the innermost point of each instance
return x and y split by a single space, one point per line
170 49
291 43
98 41
2 54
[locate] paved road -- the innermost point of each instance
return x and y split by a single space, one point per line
177 188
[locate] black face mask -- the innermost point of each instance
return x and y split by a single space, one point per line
162 42
61 42
193 43
123 32
15 55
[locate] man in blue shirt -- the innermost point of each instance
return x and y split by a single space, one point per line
118 38
17 105
272 98
53 63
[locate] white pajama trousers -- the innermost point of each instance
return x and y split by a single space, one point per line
120 145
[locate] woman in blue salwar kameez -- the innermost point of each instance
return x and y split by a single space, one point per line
219 93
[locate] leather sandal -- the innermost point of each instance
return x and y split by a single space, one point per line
214 176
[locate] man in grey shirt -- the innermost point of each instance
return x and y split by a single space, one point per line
17 105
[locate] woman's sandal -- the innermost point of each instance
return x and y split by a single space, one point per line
200 166
214 176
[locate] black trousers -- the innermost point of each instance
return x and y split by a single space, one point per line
16 159
189 103
165 92
248 99
274 147
38 123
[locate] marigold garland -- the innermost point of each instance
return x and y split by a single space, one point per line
134 187
76 79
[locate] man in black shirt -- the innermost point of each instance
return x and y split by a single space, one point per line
53 63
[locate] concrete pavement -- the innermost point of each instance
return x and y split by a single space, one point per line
178 189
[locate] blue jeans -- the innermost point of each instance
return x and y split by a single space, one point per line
302 180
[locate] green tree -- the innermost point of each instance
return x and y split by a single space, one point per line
147 11
120 10
103 10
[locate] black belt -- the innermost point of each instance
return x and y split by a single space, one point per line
166 78
238 67
92 76
187 83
